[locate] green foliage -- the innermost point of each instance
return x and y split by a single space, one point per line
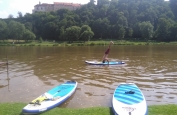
56 44
162 32
86 33
16 30
82 43
173 6
173 32
123 19
3 30
40 40
121 32
130 32
62 33
28 35
72 33
146 29
92 44
50 30
100 27
20 15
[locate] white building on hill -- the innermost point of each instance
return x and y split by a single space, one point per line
44 7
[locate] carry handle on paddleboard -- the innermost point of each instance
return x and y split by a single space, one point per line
129 92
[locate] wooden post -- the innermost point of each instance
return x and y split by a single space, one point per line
8 79
7 64
7 68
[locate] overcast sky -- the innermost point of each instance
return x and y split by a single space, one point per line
8 7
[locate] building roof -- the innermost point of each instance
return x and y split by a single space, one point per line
59 3
43 4
67 4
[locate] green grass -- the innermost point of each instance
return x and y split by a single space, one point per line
80 43
16 108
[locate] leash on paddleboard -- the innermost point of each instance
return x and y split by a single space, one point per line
45 98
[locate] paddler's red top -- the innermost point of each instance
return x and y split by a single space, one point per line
107 51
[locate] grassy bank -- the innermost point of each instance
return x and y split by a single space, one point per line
15 109
77 43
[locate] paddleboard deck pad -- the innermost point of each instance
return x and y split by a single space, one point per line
129 100
51 98
106 63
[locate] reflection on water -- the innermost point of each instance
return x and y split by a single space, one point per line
34 70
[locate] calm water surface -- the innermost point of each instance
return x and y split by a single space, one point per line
34 70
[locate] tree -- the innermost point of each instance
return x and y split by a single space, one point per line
28 35
20 15
130 32
72 33
173 6
162 31
122 20
121 32
85 28
40 40
16 30
86 33
105 19
92 1
100 27
146 29
62 33
102 2
29 26
173 32
10 16
3 30
50 31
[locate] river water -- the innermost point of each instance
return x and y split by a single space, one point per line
34 70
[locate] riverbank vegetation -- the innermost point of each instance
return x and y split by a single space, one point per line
16 108
81 43
116 20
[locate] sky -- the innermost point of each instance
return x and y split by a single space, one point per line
8 7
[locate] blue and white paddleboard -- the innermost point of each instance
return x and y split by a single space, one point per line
51 98
106 63
129 100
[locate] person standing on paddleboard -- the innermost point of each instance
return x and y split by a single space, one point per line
107 52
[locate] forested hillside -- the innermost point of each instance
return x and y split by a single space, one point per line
116 19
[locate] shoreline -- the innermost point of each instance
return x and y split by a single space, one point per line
88 43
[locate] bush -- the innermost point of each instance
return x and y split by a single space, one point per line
31 44
92 44
40 40
55 44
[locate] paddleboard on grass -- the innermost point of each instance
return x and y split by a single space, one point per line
51 98
129 100
106 63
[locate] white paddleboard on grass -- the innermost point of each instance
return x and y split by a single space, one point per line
51 98
129 100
